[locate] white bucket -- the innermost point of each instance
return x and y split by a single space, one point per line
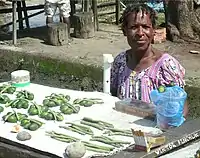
20 78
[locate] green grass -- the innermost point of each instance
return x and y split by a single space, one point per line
193 91
160 19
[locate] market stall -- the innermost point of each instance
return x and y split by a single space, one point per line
57 117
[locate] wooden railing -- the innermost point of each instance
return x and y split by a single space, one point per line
95 7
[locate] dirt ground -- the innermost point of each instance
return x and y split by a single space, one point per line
108 40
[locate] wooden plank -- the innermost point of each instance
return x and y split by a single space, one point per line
34 7
174 144
136 108
108 13
106 4
32 15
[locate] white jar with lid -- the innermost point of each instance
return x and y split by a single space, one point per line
20 78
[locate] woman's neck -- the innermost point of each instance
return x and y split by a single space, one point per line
137 60
140 55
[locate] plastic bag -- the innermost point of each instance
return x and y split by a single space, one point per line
169 106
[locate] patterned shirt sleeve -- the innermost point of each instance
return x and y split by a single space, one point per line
117 69
114 73
171 70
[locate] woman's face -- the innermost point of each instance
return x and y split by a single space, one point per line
139 31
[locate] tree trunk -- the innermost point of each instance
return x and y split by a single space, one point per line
183 20
57 34
83 25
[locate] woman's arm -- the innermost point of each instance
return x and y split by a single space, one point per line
114 76
173 71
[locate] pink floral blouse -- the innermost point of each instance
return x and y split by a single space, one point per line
130 84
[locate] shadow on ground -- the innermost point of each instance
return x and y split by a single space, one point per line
37 33
145 122
41 34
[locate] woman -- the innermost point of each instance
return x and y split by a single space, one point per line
142 68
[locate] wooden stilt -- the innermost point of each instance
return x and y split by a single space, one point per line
57 34
84 25
14 7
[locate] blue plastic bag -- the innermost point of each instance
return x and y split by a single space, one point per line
159 7
169 106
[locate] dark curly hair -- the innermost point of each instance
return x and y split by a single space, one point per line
135 8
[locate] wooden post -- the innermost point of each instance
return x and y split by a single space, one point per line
86 6
117 11
73 11
25 13
19 11
83 25
82 3
95 13
73 7
14 7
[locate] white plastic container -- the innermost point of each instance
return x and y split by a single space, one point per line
20 78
